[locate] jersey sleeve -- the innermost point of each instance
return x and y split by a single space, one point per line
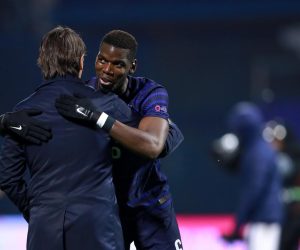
174 139
156 103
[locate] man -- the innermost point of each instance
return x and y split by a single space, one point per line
70 200
145 202
260 207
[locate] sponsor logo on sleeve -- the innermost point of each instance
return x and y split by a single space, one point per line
159 108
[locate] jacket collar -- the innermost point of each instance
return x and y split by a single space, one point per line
67 78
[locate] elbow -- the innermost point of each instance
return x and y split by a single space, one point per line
152 155
153 151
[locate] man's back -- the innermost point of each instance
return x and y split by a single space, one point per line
70 192
76 159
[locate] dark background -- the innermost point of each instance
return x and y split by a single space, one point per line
208 55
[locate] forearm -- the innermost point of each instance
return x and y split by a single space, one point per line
148 139
142 142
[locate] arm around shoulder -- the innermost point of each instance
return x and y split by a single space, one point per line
147 140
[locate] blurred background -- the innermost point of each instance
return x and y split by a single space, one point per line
208 54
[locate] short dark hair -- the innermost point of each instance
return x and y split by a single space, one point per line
60 52
122 39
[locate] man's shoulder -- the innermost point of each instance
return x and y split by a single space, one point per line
46 93
144 86
151 99
144 82
26 102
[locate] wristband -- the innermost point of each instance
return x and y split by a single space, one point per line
105 121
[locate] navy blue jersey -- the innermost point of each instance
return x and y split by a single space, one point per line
146 210
147 97
139 181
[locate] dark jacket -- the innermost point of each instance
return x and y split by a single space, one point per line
70 197
260 179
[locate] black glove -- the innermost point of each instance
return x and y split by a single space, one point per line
82 110
22 125
77 108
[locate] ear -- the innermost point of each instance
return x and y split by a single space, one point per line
81 62
133 67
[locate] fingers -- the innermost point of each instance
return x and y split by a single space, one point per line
62 107
41 125
40 133
65 103
65 110
33 140
38 136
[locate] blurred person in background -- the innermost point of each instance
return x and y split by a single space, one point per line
288 161
260 207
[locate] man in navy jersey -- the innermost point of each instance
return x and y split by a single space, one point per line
145 202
